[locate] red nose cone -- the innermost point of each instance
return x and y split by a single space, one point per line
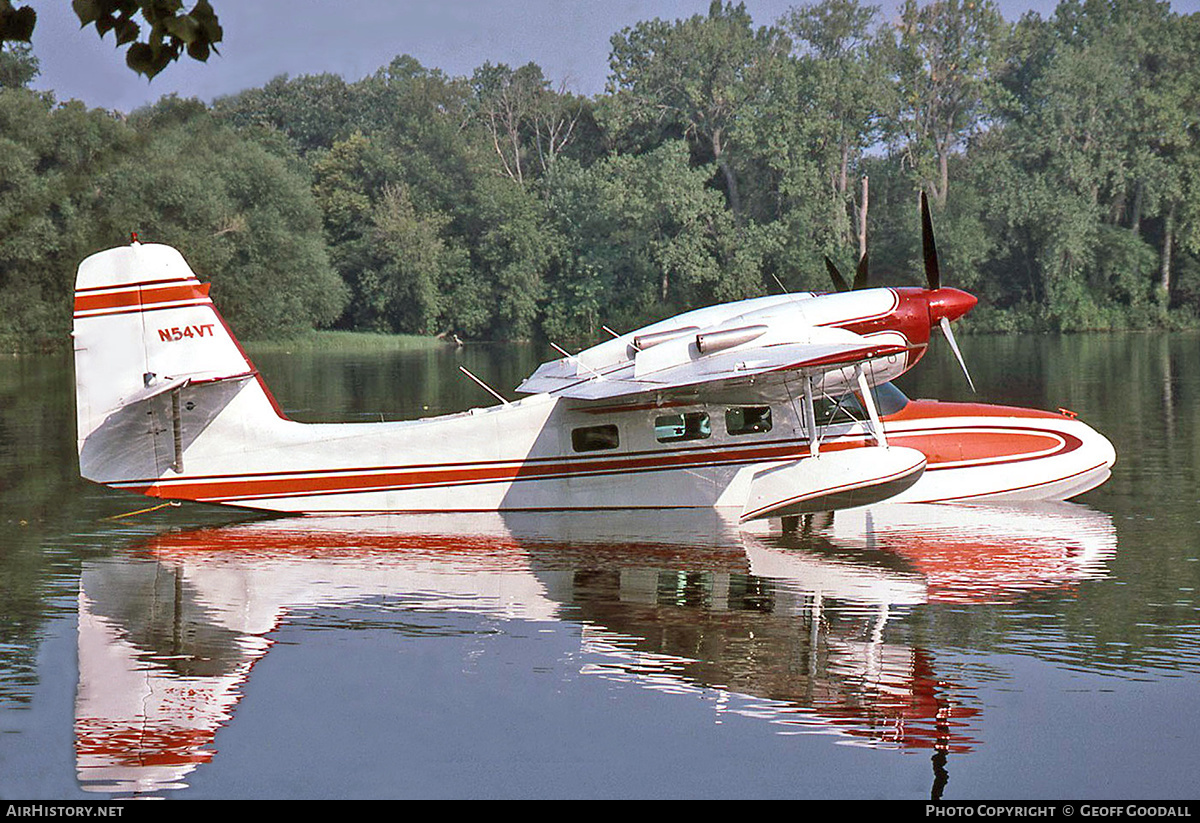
949 303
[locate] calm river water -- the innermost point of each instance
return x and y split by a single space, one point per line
903 652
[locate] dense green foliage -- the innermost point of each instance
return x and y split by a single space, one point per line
725 160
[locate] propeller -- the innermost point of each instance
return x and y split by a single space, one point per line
933 274
860 275
942 304
839 282
945 324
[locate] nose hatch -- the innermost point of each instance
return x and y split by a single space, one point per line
950 304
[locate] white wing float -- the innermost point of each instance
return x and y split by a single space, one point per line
714 408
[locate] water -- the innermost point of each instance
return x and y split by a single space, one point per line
908 652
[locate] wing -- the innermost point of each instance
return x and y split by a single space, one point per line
771 341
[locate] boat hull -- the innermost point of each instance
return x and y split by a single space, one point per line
979 452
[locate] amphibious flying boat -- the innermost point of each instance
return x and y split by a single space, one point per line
714 408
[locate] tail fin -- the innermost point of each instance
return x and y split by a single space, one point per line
155 367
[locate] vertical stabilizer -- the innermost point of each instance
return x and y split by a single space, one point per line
155 366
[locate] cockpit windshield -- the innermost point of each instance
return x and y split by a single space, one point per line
848 408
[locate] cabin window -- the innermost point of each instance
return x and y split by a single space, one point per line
748 420
595 438
673 428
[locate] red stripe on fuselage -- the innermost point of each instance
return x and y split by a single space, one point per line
943 448
411 477
970 446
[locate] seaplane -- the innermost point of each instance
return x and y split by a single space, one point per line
761 408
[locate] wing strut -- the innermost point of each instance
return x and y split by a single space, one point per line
810 418
875 424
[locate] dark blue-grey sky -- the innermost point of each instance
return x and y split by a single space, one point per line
569 39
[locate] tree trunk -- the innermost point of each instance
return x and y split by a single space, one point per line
1135 217
844 171
862 222
944 175
1164 282
735 199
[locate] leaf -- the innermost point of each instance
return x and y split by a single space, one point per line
184 28
198 51
140 58
88 11
209 25
17 24
148 60
126 31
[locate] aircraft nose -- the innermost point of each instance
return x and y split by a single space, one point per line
950 304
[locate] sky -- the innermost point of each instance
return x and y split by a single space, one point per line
263 39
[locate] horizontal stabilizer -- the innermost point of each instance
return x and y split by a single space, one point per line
149 432
154 389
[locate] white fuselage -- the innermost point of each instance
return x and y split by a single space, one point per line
547 454
539 453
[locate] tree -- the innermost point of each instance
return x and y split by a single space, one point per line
696 76
313 111
423 118
942 61
505 103
834 40
172 29
524 119
643 237
241 215
843 95
416 261
50 157
18 66
348 182
1102 147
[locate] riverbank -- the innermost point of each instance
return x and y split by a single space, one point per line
328 340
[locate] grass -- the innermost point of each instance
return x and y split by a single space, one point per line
345 341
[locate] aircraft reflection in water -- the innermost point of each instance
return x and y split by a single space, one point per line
791 625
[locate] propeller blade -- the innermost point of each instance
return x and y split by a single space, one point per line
933 275
839 282
945 324
860 276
